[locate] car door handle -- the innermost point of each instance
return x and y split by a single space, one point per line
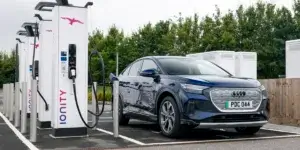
122 83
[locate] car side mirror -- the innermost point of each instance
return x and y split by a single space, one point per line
149 73
113 77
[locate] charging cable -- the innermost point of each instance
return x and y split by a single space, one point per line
73 76
33 58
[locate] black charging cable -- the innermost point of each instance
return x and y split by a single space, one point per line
33 73
73 76
46 104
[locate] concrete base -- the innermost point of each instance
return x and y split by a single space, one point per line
69 132
44 125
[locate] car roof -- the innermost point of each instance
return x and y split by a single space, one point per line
162 57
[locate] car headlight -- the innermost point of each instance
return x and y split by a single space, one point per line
193 88
262 88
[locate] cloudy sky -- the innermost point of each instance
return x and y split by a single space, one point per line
125 14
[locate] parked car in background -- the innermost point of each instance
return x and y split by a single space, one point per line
181 93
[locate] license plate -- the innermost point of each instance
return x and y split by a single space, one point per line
238 104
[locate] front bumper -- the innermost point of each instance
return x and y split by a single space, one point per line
199 110
232 124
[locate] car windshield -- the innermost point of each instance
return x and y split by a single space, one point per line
188 66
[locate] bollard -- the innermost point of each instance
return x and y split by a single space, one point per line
116 109
7 101
24 108
33 114
17 104
4 99
11 102
94 104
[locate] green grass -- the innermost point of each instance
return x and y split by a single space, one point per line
108 93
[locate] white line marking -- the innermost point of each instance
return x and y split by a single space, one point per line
43 128
279 130
19 135
105 117
156 132
101 121
223 140
68 137
123 137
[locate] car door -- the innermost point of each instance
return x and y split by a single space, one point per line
124 82
148 88
133 89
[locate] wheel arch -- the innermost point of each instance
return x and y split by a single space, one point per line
164 93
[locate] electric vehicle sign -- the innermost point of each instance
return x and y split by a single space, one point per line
62 107
72 20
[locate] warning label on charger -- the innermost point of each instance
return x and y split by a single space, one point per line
64 67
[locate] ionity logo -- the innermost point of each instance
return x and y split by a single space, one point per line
72 20
36 45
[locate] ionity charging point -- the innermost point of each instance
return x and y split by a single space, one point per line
29 59
22 59
45 72
70 68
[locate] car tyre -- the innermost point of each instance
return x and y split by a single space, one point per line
123 119
169 119
247 130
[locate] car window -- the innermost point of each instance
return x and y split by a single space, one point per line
135 68
126 71
149 64
187 66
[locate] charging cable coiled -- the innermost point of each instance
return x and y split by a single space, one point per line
73 77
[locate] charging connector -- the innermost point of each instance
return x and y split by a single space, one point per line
72 61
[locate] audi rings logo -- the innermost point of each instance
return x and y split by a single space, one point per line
238 94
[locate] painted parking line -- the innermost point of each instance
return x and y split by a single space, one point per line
18 134
123 137
103 121
277 130
223 140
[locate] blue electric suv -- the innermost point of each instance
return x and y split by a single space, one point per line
181 93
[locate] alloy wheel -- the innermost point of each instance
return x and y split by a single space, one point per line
167 115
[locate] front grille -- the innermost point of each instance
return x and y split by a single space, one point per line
220 96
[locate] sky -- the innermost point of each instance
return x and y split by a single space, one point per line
126 14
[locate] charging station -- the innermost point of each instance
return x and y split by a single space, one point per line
70 41
246 64
45 72
22 52
29 27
